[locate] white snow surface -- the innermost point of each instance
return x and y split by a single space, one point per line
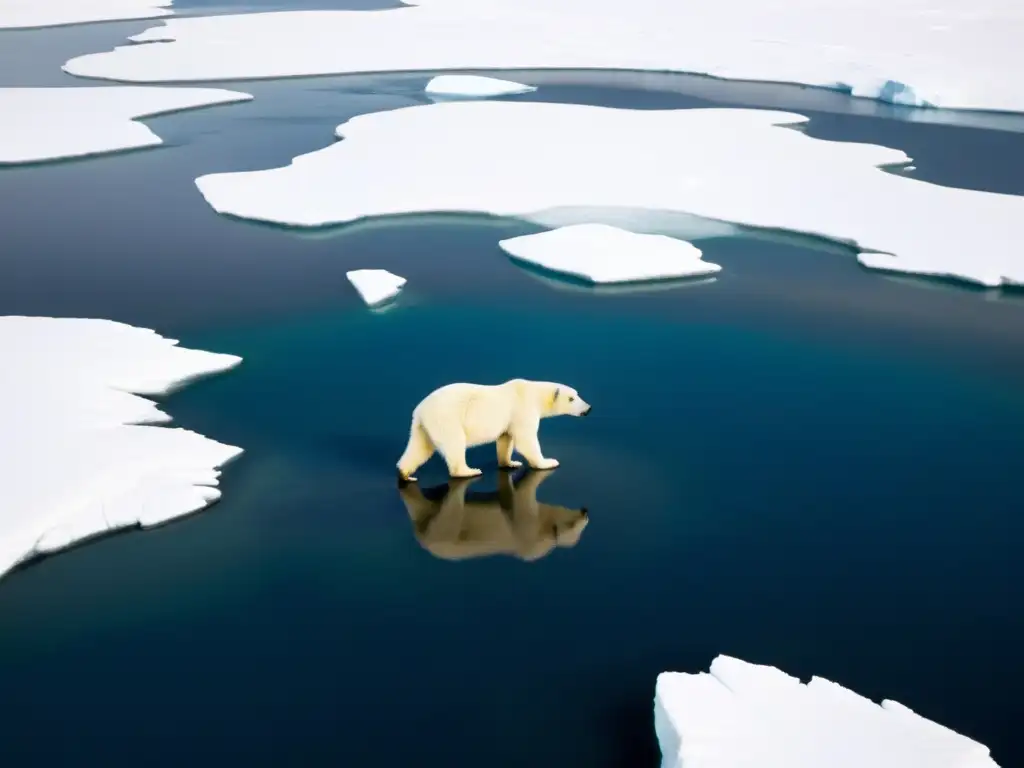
74 458
744 715
375 286
38 124
474 86
20 14
642 170
945 53
603 254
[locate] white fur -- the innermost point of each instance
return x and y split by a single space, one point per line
509 522
460 416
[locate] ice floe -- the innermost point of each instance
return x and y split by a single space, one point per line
472 86
38 124
941 53
375 286
21 14
75 458
744 714
583 164
602 254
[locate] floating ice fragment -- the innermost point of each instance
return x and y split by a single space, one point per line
602 254
375 286
473 86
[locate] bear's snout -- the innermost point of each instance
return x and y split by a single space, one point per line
586 411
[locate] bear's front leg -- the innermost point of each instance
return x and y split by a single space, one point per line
454 452
530 448
505 460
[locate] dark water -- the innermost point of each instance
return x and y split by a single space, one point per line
801 464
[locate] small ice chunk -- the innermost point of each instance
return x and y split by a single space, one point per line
375 286
603 254
75 458
474 86
743 714
38 124
23 14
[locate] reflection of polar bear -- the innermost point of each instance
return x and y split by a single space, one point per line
460 416
510 521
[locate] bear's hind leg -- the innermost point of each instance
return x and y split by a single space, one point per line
417 452
505 460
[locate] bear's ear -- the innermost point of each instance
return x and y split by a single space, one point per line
554 397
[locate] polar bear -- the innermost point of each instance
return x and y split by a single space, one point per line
509 522
460 416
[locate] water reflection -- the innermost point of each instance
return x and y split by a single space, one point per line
452 524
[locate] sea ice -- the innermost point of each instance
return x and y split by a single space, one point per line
20 14
473 86
375 286
39 124
602 254
744 715
640 170
942 53
74 458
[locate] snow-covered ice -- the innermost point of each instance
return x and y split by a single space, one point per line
375 286
944 53
602 254
642 170
744 715
75 460
21 14
472 86
38 124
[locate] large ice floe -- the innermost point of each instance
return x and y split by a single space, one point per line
473 86
21 14
38 124
601 254
644 170
375 286
75 458
744 715
944 53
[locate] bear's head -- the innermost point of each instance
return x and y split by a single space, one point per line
566 401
